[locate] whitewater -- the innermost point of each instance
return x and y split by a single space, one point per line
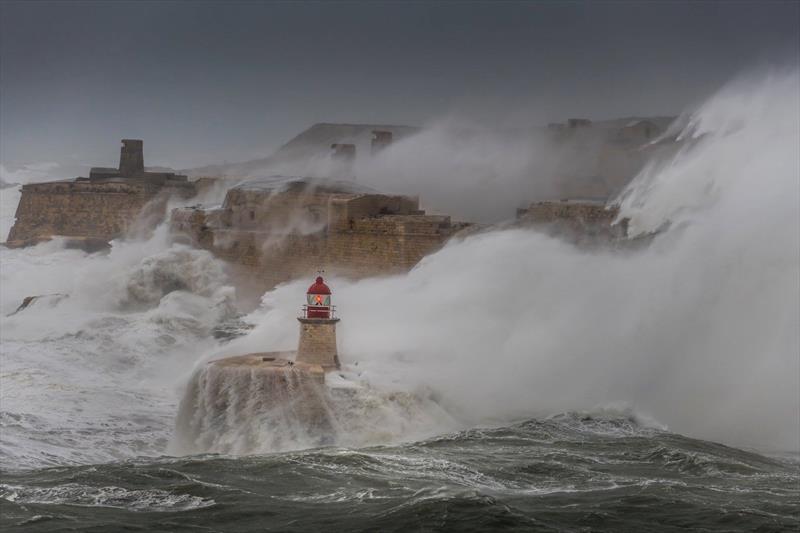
614 373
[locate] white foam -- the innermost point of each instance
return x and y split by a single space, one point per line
149 500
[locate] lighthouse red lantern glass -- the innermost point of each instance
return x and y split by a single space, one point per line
318 301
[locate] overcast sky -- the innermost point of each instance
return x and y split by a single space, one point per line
203 82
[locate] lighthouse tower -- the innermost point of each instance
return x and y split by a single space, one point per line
318 328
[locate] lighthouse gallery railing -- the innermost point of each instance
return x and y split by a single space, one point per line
318 310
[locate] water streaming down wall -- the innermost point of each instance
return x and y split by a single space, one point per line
240 409
234 409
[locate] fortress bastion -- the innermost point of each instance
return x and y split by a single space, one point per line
92 211
271 230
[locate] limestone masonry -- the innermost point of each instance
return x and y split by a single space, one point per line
99 208
317 345
582 221
275 229
265 389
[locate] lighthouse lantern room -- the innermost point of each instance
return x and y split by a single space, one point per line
318 300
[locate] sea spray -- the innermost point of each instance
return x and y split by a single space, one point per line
175 269
699 330
240 409
92 377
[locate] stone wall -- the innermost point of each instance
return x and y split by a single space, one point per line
83 209
317 344
271 211
77 209
582 222
268 238
387 244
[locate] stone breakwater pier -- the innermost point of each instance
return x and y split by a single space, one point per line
285 388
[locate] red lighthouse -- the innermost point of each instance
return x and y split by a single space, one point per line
318 300
318 328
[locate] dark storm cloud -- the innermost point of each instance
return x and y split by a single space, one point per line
207 81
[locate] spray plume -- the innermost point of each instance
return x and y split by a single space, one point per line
699 330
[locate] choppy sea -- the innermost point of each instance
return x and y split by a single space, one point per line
571 472
482 384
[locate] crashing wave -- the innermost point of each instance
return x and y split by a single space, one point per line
174 269
240 410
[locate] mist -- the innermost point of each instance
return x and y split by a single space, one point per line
698 331
467 170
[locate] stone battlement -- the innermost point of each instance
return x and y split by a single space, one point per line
273 234
131 165
581 221
99 208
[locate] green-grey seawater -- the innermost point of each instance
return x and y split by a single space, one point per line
567 473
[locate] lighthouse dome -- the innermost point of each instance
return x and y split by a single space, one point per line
319 287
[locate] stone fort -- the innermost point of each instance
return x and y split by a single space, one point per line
271 230
92 211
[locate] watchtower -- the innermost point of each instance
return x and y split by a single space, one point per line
131 158
380 140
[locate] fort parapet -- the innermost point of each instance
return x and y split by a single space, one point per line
578 221
276 229
99 208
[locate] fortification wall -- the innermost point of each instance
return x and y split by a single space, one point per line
88 210
259 262
578 221
306 212
347 246
77 209
266 211
99 208
576 212
387 244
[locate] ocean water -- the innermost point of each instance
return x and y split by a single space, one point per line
571 472
509 382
